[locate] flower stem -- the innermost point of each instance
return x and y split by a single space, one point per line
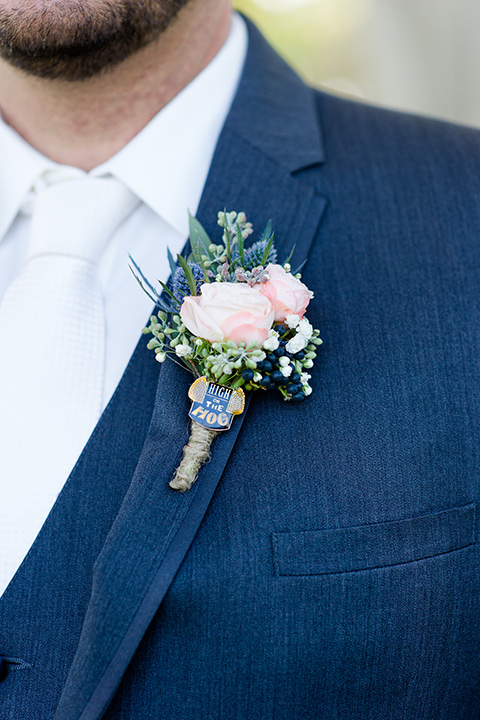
195 371
195 454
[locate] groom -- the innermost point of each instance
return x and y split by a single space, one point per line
325 563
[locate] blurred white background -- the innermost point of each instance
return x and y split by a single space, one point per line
416 55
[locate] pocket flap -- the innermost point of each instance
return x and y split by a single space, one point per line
318 552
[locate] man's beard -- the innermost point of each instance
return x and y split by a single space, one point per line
77 39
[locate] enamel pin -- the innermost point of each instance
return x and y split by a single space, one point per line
214 406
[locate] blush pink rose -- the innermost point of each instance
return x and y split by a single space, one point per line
228 311
288 295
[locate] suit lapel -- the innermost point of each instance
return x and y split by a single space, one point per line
251 171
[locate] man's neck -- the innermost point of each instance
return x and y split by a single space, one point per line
84 123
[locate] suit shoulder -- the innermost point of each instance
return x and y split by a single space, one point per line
363 129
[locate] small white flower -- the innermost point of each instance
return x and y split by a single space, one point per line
199 341
257 377
307 390
308 364
304 378
183 350
305 328
284 360
259 355
296 344
292 321
271 343
160 357
286 370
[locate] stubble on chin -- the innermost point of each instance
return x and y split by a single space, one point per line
77 39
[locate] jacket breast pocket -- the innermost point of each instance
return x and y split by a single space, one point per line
365 547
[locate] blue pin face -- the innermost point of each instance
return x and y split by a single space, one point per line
214 405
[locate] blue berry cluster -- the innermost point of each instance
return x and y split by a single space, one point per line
270 370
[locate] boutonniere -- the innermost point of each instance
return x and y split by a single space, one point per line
234 316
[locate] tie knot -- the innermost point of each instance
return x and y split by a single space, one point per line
76 216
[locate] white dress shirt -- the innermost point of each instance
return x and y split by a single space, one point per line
166 166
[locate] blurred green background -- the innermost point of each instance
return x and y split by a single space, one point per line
417 55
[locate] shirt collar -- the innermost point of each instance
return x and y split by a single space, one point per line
21 166
167 162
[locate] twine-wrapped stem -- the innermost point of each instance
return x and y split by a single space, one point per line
195 454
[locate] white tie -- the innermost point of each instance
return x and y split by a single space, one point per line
52 337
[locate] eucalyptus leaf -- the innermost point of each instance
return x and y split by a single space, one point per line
188 274
169 292
171 262
198 261
238 383
148 288
300 267
142 281
266 252
226 235
267 233
290 256
157 301
199 240
241 247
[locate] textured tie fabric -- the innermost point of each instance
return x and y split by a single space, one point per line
52 346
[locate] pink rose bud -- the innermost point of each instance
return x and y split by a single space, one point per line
288 295
228 311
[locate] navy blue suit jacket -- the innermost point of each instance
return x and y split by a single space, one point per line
325 564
